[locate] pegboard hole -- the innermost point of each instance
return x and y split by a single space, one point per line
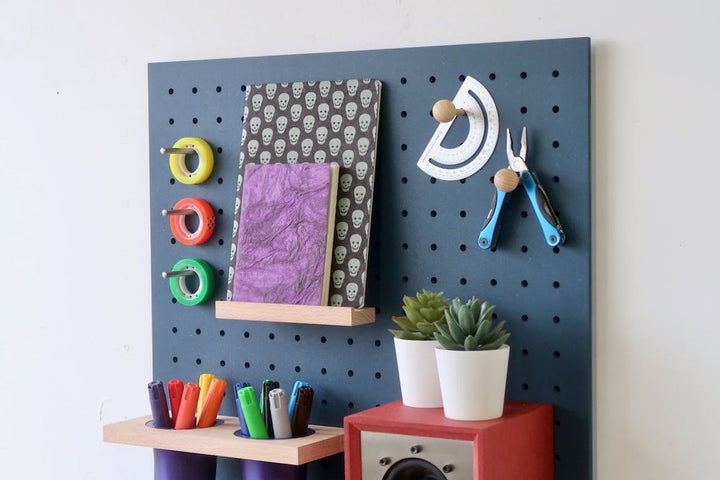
378 343
493 282
297 338
556 354
463 214
194 120
198 361
198 331
524 249
463 281
323 340
174 329
350 373
556 319
556 179
403 180
271 367
403 114
271 336
432 79
297 368
350 341
463 247
433 246
556 388
175 359
323 371
247 365
556 284
405 246
403 81
194 90
556 249
433 180
172 181
523 75
219 180
351 405
221 241
222 333
523 110
173 241
404 213
523 214
243 88
173 300
463 180
170 91
461 77
525 386
492 76
433 280
405 279
555 73
171 121
433 213
218 119
378 375
324 403
524 318
555 109
403 147
524 283
555 144
524 352
246 334
222 363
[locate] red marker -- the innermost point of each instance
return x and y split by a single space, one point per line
186 414
214 398
175 391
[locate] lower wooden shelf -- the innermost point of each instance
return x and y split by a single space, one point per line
221 441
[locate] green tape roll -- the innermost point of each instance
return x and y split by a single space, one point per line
206 282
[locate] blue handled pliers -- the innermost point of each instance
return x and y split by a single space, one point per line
552 230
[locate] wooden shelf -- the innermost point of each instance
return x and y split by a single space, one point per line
221 441
307 314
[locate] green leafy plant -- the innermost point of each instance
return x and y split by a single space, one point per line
422 315
469 326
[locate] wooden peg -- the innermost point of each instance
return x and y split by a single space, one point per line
180 211
506 180
445 111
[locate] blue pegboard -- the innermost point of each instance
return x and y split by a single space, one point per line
424 232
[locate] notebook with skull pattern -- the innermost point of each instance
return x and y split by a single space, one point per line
318 122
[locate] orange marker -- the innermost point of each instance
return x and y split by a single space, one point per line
214 398
186 414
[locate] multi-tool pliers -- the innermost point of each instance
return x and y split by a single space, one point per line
552 230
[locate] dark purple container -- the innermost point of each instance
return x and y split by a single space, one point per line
256 470
172 465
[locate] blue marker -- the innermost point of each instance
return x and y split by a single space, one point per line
293 396
243 425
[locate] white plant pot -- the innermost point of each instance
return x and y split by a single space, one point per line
417 369
473 383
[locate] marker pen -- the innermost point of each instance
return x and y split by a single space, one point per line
303 406
158 405
175 391
204 384
213 400
267 386
241 418
251 412
279 413
293 397
186 414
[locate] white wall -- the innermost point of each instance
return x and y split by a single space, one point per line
75 347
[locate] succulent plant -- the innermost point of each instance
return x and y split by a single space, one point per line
422 315
469 326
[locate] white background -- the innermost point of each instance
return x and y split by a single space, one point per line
75 346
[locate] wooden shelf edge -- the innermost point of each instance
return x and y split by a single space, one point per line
306 314
221 441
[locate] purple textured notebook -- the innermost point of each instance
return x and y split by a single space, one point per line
284 236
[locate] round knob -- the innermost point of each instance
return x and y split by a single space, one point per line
506 180
415 449
448 468
445 111
384 461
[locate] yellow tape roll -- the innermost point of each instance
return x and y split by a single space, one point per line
206 161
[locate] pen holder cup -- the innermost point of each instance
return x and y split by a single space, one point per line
172 465
258 470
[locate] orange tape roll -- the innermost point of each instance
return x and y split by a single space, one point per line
206 221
